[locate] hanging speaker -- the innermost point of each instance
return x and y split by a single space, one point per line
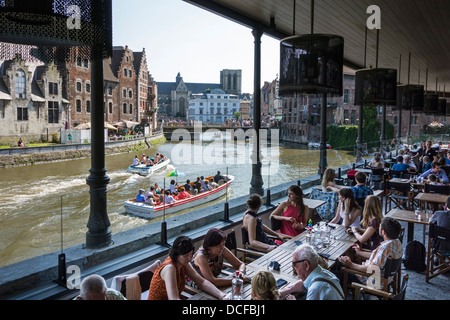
376 86
431 103
311 64
410 97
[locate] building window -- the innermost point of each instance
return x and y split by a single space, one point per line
52 88
110 90
22 114
110 108
125 72
88 87
125 108
78 86
88 106
131 108
124 93
78 105
79 61
130 94
130 73
86 63
53 112
21 85
346 96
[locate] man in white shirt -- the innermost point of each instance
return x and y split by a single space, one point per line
320 283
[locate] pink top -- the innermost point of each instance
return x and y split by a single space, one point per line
286 226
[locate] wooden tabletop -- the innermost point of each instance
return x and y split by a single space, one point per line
432 197
408 216
313 204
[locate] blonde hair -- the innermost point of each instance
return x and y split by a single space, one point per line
264 286
372 209
328 176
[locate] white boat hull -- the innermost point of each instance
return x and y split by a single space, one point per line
143 170
143 210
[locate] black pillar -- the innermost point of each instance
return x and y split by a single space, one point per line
360 140
257 181
399 132
383 129
98 234
323 136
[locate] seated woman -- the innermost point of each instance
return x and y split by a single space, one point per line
208 260
183 194
293 213
173 186
169 278
376 162
207 186
368 235
348 212
328 181
257 236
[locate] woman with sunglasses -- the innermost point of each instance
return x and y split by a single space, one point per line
169 279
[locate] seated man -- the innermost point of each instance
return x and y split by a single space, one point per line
136 161
400 165
320 283
168 199
94 287
442 219
218 177
391 247
187 186
140 197
437 171
412 167
148 162
361 191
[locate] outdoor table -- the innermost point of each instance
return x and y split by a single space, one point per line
434 198
251 270
410 217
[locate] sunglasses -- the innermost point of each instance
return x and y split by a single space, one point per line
298 261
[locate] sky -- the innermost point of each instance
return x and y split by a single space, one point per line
180 37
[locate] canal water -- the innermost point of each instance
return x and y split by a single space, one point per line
46 207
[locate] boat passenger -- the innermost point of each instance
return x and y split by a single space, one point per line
188 186
218 177
140 197
207 187
149 162
198 185
157 189
157 158
202 181
212 183
162 157
168 199
136 161
143 158
183 194
173 186
151 194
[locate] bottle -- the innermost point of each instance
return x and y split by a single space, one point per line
237 284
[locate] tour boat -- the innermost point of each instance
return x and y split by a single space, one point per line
143 170
315 145
144 210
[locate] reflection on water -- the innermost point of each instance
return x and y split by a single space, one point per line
34 199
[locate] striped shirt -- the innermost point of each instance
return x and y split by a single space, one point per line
387 249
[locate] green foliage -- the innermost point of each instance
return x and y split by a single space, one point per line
344 137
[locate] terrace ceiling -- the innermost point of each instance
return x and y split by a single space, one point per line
417 27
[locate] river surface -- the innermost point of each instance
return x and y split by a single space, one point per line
35 201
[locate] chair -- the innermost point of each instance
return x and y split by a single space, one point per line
231 244
389 277
399 174
275 224
439 248
399 195
361 289
328 210
439 189
401 235
376 178
134 286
